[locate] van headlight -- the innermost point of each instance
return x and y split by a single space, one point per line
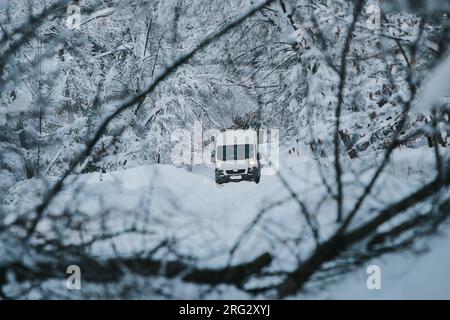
219 164
253 163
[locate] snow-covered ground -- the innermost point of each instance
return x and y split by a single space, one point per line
424 275
205 220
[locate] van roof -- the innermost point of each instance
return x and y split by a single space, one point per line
237 137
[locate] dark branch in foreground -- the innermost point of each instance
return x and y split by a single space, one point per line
340 242
340 97
112 270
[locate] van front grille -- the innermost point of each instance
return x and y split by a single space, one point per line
240 171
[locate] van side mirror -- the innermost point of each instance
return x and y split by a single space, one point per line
258 156
213 156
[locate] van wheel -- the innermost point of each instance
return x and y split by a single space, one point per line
257 179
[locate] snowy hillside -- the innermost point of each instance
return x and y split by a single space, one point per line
205 220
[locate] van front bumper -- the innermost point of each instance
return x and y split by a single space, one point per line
249 174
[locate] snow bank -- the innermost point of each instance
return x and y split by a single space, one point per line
403 276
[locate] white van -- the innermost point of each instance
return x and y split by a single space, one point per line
236 156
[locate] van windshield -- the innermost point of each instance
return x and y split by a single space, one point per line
235 152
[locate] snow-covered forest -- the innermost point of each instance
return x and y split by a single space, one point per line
92 93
